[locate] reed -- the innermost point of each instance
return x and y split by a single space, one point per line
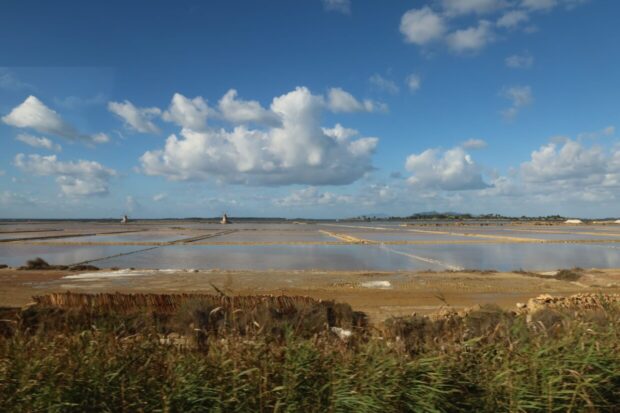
556 359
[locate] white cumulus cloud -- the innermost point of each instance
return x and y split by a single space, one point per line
340 133
450 170
38 142
472 39
422 26
237 110
339 100
447 22
571 160
33 114
185 112
138 119
81 178
312 196
298 151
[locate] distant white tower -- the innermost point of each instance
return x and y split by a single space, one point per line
124 220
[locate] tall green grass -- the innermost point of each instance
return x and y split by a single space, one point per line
487 361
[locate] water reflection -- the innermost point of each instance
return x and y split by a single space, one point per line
17 254
505 257
325 257
498 256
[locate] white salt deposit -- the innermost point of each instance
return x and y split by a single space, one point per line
549 273
376 284
126 272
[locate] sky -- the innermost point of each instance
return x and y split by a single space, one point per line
313 109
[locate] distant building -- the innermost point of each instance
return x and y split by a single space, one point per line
225 220
125 219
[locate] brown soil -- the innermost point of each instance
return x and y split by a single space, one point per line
408 292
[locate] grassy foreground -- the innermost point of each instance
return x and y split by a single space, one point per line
219 355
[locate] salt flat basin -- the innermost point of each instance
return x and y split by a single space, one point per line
263 257
447 233
546 235
274 236
15 255
508 257
27 235
388 236
502 257
498 247
129 237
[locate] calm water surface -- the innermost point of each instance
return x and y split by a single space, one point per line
17 254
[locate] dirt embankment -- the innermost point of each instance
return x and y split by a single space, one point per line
380 294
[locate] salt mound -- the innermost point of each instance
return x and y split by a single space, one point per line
376 284
121 273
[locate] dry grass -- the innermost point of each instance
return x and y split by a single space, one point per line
569 275
573 274
194 315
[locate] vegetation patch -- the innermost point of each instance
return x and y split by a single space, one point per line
75 353
573 274
569 275
42 265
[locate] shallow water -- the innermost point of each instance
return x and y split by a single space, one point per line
27 235
130 237
17 254
273 236
481 253
325 257
506 257
406 236
501 257
550 235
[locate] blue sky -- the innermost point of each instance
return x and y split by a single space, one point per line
311 108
